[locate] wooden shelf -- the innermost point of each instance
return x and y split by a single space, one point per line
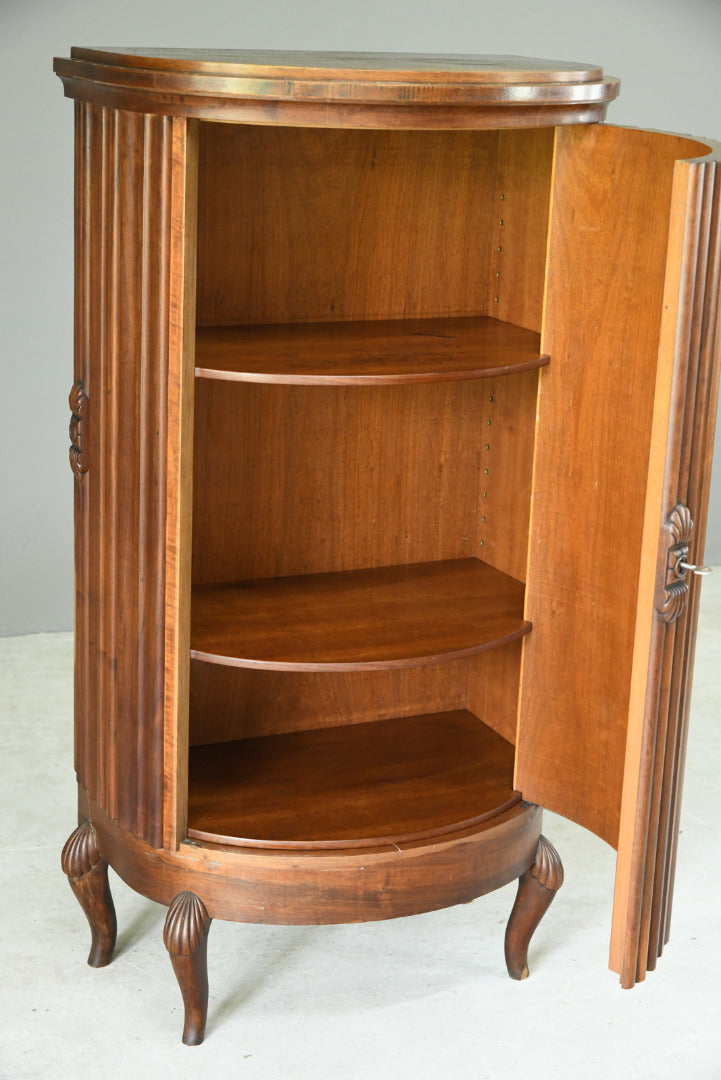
380 783
392 616
371 353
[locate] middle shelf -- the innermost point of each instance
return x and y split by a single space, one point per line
385 617
372 352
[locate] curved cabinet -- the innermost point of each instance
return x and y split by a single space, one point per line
374 356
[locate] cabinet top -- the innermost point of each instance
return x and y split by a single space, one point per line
340 89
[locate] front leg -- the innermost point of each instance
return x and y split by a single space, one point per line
536 889
87 873
186 939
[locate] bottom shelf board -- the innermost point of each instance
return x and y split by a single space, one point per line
385 782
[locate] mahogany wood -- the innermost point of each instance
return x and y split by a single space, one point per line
376 353
185 936
409 483
179 500
87 873
123 265
390 224
698 436
373 69
327 886
387 782
340 89
682 440
228 703
506 426
609 226
519 226
536 889
393 616
371 197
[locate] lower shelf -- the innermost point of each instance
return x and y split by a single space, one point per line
383 783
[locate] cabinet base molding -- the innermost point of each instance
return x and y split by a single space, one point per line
322 887
317 888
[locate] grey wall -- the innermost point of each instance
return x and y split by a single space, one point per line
666 53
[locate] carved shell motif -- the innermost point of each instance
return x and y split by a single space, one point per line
548 868
679 529
80 853
78 401
186 924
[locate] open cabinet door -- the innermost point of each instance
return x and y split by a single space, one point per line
621 471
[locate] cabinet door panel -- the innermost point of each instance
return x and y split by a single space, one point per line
597 508
675 525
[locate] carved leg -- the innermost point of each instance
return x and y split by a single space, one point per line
186 939
88 877
536 889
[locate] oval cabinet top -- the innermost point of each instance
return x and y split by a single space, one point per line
329 89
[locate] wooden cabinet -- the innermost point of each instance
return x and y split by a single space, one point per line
394 390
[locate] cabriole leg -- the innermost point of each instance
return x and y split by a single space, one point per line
536 889
87 873
186 939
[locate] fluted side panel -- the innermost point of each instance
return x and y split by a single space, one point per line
686 482
122 332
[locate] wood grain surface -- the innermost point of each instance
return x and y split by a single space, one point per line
607 256
299 225
420 473
681 450
127 215
337 593
378 352
390 781
228 703
494 69
347 88
396 616
326 885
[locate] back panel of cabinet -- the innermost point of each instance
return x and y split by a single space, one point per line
297 225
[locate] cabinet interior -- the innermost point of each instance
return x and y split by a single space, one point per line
377 233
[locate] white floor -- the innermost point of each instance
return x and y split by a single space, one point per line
424 998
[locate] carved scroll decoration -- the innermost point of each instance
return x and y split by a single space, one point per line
679 529
78 401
